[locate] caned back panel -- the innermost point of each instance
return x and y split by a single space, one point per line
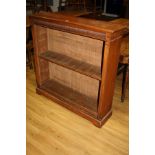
74 80
78 47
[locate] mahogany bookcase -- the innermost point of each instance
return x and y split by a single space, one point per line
76 62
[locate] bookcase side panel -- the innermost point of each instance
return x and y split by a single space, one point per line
40 45
109 70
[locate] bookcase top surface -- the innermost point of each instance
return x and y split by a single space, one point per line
82 23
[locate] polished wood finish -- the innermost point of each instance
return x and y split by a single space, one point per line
109 70
79 56
54 130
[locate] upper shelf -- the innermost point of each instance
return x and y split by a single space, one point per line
73 64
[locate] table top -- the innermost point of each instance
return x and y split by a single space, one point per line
74 21
122 21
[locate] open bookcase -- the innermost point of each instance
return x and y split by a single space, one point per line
76 62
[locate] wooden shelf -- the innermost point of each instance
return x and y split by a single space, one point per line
76 65
70 97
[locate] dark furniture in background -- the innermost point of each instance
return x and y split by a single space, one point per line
29 45
72 5
45 5
124 64
31 5
118 7
39 5
76 62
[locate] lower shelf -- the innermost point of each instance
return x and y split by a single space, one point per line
74 101
72 98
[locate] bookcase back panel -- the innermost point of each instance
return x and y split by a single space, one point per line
74 80
78 47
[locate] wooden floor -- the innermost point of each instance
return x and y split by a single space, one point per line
54 130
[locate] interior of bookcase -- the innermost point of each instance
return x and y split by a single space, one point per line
70 67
